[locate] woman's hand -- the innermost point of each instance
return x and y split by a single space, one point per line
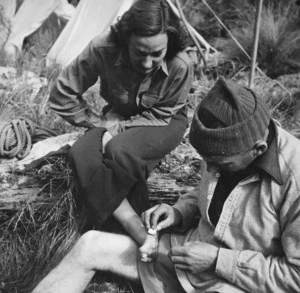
105 139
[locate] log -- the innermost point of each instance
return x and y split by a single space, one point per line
20 189
165 189
44 175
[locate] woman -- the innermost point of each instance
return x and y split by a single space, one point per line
145 78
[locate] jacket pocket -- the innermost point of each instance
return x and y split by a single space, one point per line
118 97
148 100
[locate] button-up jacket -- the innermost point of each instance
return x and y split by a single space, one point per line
258 231
133 100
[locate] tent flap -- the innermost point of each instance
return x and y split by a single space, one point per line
91 18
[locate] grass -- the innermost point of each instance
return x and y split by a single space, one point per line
33 241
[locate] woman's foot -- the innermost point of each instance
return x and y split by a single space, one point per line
149 249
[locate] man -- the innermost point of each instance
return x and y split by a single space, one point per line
247 238
145 77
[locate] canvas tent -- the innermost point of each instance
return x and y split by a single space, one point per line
88 19
7 9
91 18
29 17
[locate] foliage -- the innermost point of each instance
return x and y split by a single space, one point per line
279 40
230 12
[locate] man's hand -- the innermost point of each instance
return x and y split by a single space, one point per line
105 139
195 257
161 217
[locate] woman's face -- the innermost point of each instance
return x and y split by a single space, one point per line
147 53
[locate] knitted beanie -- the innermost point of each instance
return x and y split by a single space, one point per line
229 120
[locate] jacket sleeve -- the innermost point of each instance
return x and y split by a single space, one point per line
66 94
187 205
255 272
161 112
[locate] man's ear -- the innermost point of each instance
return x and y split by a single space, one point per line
260 147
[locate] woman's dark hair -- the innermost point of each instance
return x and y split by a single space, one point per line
148 18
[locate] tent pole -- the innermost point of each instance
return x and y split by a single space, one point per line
190 32
255 42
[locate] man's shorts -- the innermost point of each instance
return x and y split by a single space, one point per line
160 276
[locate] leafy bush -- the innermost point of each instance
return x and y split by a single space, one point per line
279 40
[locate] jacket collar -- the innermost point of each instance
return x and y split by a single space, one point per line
269 161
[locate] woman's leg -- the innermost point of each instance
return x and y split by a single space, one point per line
147 145
94 251
138 150
106 180
132 223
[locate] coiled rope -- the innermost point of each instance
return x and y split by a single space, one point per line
17 137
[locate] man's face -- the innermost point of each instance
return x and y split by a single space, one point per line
147 53
234 163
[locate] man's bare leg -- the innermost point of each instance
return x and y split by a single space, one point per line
94 251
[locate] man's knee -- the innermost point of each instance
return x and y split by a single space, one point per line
89 248
96 250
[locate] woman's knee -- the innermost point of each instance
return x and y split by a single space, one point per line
115 149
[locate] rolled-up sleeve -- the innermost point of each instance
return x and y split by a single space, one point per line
187 205
66 94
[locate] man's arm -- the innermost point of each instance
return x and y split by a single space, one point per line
258 272
250 270
180 215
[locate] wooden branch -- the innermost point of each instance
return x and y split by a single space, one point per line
296 111
202 41
19 190
255 42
